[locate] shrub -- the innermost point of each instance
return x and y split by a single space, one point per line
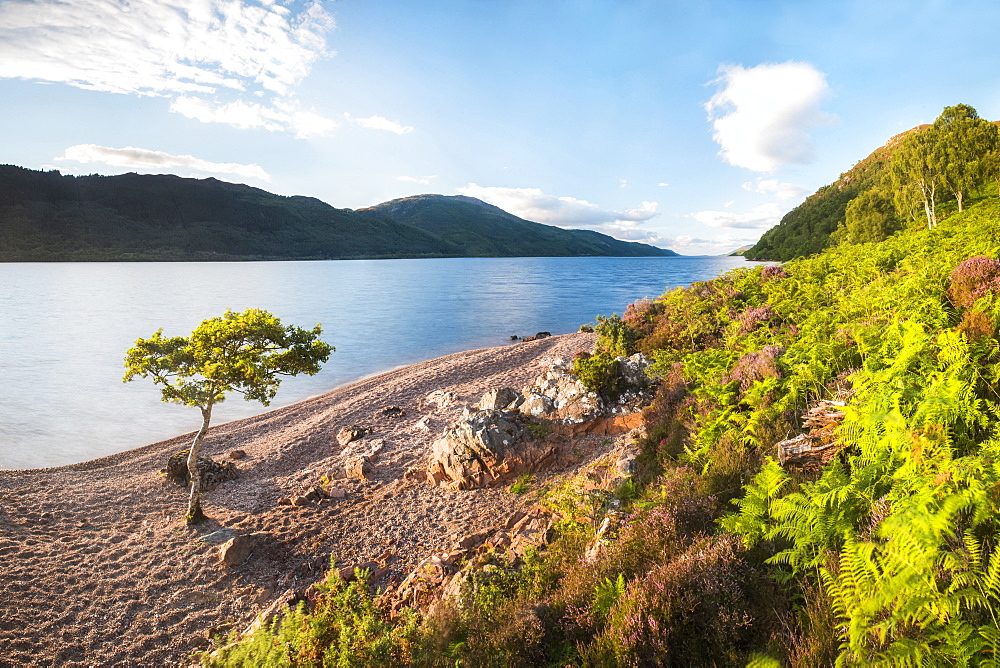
754 367
972 279
615 337
696 609
773 273
599 373
755 316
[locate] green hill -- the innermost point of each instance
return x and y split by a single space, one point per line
956 157
486 230
47 216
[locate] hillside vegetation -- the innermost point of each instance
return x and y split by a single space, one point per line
485 230
883 548
46 216
900 185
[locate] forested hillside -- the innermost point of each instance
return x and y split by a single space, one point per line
900 185
46 216
483 229
818 484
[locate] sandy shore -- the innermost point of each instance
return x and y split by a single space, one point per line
99 569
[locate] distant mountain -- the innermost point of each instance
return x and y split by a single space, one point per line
739 252
482 229
46 216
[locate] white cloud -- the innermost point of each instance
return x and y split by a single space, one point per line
760 217
762 115
162 47
141 158
279 116
423 180
380 123
782 191
718 244
236 62
662 184
535 205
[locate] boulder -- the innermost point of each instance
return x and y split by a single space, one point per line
501 399
558 394
634 370
237 549
485 448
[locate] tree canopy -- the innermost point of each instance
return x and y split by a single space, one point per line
247 353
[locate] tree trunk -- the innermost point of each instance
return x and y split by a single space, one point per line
958 196
194 514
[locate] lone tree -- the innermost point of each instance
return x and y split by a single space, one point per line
244 352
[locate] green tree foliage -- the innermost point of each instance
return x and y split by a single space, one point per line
247 353
905 180
969 145
917 172
869 217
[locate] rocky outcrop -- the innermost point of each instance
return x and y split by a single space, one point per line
558 394
485 448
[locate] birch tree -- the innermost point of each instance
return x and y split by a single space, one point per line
967 145
247 353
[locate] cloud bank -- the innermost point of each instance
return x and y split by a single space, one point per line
161 47
760 217
535 205
762 115
236 62
141 158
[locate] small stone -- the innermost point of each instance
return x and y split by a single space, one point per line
237 550
358 467
237 454
336 493
351 433
284 501
300 501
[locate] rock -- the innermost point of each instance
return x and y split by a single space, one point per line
285 501
501 399
300 501
559 394
351 433
336 493
634 371
237 454
392 411
484 448
237 549
441 398
358 467
472 540
543 335
423 424
213 473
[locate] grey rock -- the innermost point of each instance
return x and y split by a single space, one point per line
484 448
501 399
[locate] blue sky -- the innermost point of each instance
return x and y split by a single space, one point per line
690 125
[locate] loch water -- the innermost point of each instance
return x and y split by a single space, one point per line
64 329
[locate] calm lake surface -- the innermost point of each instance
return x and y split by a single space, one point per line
64 329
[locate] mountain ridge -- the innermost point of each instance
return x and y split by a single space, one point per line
48 216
